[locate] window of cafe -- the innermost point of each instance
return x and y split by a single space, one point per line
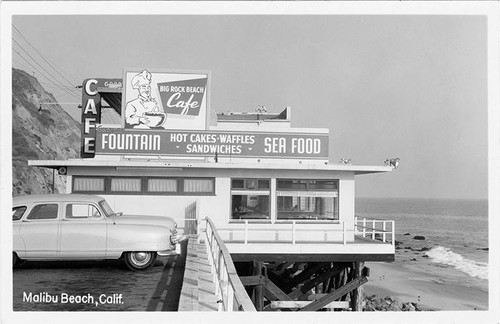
180 186
307 199
250 198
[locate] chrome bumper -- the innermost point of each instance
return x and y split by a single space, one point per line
171 252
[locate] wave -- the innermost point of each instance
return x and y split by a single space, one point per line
444 255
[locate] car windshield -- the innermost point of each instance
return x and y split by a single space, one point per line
107 210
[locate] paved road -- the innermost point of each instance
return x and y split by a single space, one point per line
98 286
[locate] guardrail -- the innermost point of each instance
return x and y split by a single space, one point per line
228 286
376 229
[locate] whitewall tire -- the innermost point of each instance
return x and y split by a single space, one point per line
139 260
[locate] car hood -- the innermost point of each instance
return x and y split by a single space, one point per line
144 220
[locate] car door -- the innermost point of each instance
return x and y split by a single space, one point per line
17 242
83 231
40 231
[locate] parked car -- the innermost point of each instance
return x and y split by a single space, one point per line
84 227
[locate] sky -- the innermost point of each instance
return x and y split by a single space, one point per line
407 86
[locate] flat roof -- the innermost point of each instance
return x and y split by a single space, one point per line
357 169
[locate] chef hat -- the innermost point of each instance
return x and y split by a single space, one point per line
142 78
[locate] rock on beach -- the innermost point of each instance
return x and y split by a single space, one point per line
391 304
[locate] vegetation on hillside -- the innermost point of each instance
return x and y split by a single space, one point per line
39 134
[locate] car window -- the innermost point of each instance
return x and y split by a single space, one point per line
44 211
107 210
18 212
82 211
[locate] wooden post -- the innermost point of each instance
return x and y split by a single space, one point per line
357 294
307 273
326 283
306 286
259 289
323 301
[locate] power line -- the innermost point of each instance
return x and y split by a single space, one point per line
64 89
59 103
20 64
52 84
53 91
34 60
42 56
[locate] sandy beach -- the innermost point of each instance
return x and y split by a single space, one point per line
430 292
413 277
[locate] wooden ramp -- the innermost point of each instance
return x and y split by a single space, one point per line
198 288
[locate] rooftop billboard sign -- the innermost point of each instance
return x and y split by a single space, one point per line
154 99
194 143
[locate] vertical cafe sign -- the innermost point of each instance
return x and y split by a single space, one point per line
165 100
91 111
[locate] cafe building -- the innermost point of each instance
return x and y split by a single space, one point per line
151 145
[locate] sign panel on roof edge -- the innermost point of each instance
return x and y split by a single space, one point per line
196 143
153 99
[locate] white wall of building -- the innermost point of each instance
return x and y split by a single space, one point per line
218 206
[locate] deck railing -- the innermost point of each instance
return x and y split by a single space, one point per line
228 286
293 229
376 229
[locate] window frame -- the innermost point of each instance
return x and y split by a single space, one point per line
251 192
144 186
89 192
131 193
32 209
22 215
322 193
65 211
180 187
308 185
161 193
251 189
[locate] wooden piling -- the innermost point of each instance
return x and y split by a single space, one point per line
259 289
357 294
306 286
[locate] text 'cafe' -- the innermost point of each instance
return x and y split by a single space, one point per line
150 147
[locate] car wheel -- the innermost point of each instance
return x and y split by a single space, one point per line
139 260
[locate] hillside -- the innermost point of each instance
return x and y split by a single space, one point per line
46 134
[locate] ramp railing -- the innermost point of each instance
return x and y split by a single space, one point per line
228 287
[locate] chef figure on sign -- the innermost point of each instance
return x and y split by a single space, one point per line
143 112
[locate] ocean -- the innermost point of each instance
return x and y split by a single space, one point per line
455 231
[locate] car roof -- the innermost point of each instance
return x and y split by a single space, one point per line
28 199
